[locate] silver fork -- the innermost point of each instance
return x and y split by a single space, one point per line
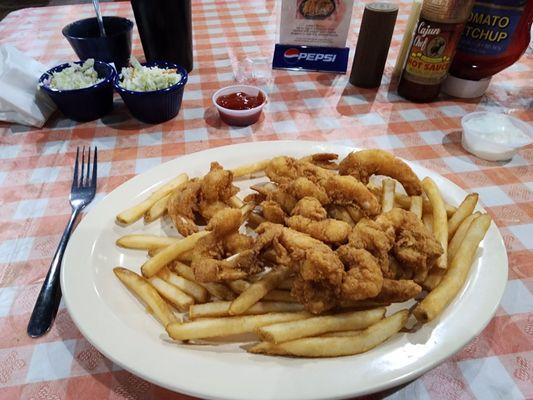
81 193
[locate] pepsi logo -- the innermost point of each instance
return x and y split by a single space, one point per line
291 56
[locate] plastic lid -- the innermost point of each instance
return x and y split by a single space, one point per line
464 88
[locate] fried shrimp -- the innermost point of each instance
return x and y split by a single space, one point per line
311 208
365 163
304 187
182 207
414 245
348 191
329 230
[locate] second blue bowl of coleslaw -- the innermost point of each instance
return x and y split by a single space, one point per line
152 91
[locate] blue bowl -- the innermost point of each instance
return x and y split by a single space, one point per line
155 106
85 104
115 47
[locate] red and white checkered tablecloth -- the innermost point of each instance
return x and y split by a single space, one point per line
35 176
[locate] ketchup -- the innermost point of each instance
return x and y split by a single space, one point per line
240 108
496 34
240 101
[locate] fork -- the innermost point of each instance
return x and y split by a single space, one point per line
81 194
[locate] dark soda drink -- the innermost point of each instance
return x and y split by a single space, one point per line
165 28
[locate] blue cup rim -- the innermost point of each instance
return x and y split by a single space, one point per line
160 64
109 78
67 27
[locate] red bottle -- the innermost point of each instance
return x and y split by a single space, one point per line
496 34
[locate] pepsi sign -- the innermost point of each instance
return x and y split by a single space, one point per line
327 59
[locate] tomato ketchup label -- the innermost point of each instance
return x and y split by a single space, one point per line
431 52
491 25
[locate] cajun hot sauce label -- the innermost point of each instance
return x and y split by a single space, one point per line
432 51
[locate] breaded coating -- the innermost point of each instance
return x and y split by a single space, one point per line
414 245
182 206
398 291
304 187
225 221
311 208
273 212
346 190
340 213
329 230
363 279
215 191
365 163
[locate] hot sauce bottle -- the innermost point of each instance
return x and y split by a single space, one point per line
434 43
496 34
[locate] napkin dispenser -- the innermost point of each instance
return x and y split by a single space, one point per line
21 101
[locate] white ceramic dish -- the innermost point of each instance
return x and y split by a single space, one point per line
117 325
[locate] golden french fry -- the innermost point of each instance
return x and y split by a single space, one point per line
433 278
427 219
387 199
464 210
459 236
157 210
221 308
417 206
341 334
146 242
440 219
250 171
337 346
454 278
193 289
218 290
132 214
257 290
255 219
147 293
240 286
181 300
212 327
236 202
286 331
404 202
170 253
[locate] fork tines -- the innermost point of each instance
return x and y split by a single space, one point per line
85 179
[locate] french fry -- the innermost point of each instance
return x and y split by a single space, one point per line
236 202
439 298
170 253
286 331
440 219
250 171
221 309
157 210
213 327
147 293
255 219
193 289
132 214
181 300
337 346
427 219
218 290
416 206
465 209
146 242
257 290
240 286
433 278
459 236
387 199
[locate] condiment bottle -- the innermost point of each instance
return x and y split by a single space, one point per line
433 47
496 34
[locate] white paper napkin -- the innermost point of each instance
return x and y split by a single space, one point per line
20 99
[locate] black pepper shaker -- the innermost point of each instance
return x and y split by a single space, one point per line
373 44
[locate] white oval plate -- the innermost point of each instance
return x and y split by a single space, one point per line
117 324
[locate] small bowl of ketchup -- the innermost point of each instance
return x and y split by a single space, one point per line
239 105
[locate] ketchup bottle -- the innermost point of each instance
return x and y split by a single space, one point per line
496 34
433 47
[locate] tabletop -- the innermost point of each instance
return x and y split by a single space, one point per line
35 177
